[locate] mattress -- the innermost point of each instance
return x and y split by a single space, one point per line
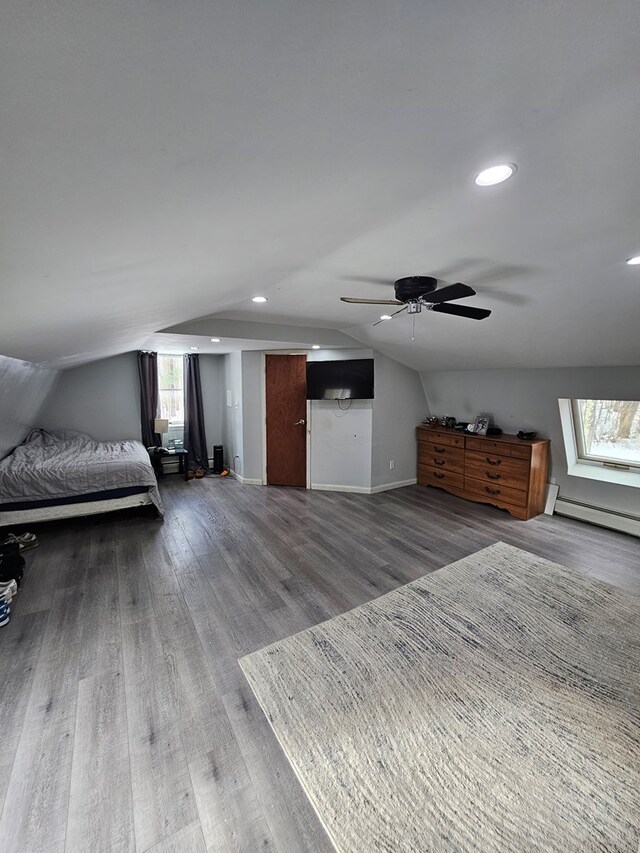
63 467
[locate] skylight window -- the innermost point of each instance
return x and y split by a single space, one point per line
608 431
602 439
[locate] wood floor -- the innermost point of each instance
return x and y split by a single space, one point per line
125 721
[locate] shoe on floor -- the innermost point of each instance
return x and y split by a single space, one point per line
9 586
5 613
25 541
199 474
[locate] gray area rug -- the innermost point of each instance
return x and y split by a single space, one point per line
493 705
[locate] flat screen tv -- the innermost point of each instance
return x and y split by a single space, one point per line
351 379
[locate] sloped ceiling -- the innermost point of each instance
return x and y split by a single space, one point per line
164 161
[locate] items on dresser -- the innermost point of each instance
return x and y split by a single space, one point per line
506 471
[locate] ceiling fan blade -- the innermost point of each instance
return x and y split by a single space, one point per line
404 308
451 291
352 299
462 311
369 279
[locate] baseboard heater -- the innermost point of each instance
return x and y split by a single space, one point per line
596 515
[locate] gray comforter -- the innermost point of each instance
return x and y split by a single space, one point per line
68 463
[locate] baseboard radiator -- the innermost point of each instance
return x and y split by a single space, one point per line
596 515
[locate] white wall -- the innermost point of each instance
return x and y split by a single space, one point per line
24 388
232 414
340 433
103 399
399 406
528 399
340 443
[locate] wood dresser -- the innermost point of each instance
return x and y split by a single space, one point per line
502 470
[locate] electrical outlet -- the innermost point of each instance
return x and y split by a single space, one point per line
392 464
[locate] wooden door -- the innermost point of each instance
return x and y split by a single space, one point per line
286 393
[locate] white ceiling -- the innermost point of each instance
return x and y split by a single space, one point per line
163 161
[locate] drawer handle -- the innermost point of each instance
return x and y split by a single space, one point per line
493 461
438 475
493 476
492 491
439 449
440 461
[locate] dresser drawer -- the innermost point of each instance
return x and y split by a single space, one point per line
441 456
491 468
434 477
498 492
520 451
447 439
502 448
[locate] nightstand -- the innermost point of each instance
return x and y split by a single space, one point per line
158 467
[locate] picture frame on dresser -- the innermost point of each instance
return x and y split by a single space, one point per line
481 424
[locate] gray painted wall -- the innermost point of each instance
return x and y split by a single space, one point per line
24 388
528 399
103 399
252 415
212 381
399 406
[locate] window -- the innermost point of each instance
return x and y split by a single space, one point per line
602 440
607 431
170 387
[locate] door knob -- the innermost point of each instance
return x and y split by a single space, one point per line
297 423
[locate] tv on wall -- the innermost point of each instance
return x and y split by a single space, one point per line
350 379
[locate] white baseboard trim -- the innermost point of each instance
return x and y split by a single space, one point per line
334 487
399 484
601 517
362 490
247 481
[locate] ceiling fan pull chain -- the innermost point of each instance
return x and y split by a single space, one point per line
413 327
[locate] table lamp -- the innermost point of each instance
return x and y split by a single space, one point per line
160 426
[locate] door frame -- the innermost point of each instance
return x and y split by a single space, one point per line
263 373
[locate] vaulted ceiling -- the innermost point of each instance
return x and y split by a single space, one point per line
165 161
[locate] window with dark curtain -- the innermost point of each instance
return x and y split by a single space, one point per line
148 373
195 438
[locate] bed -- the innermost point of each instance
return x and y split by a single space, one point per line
66 473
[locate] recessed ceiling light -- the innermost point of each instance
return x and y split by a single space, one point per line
259 299
215 340
193 347
633 261
385 316
496 174
315 346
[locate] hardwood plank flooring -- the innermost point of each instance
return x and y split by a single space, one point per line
127 723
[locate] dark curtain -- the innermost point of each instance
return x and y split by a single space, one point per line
149 397
195 439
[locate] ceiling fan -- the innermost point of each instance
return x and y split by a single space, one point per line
416 292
